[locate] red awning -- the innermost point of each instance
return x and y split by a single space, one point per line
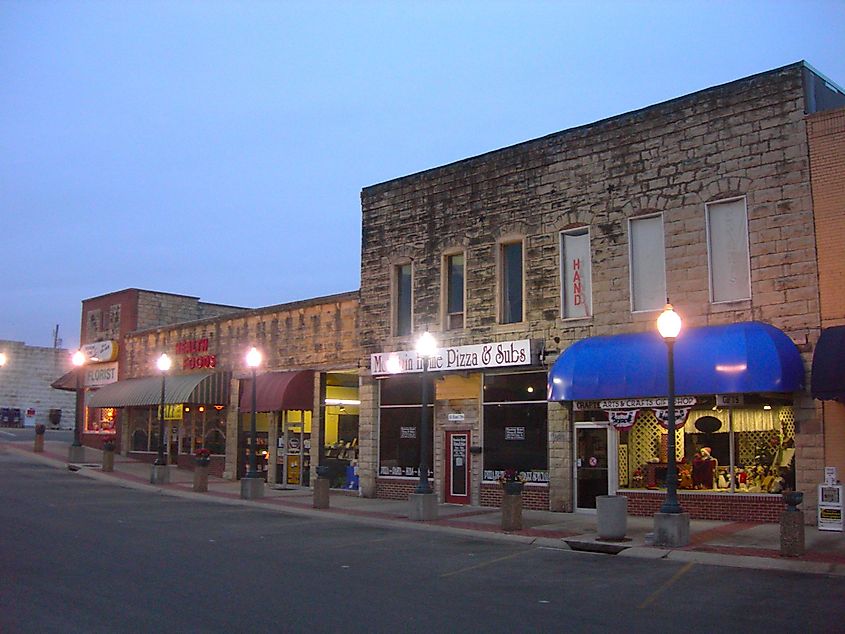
276 391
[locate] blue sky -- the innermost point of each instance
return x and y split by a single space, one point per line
218 149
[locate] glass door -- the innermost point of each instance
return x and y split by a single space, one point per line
593 464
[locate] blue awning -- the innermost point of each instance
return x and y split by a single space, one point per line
739 358
828 378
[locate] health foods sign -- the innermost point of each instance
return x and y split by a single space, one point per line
485 355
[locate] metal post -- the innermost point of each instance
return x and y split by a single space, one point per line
670 504
425 433
80 403
161 459
253 469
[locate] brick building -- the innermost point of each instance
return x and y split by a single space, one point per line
25 385
306 390
826 135
106 320
551 259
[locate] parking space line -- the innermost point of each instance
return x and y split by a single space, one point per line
667 585
487 563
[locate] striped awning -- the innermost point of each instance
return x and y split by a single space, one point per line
206 388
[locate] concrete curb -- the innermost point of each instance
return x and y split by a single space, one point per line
628 550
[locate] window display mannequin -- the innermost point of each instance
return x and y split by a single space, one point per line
704 469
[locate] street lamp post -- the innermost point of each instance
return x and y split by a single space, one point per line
423 500
160 474
77 451
671 523
252 484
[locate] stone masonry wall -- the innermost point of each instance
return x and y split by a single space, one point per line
25 381
744 139
316 334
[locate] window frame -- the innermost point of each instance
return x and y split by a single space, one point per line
707 206
395 288
588 300
447 288
664 294
501 279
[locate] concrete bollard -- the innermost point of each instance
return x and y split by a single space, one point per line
39 438
512 512
321 493
201 478
108 460
612 517
792 526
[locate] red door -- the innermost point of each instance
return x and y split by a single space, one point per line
457 467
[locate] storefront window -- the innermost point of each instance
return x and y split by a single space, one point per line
762 438
399 427
516 426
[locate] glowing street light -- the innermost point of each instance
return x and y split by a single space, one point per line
669 326
163 363
76 449
253 360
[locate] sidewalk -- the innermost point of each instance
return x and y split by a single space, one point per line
737 544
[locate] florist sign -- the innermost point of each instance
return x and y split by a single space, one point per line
485 355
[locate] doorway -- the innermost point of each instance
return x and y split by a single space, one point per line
457 467
295 455
594 464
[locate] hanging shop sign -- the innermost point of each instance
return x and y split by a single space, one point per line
730 400
100 352
196 354
485 355
100 374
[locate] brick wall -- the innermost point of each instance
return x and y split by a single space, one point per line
826 136
744 139
713 506
25 381
533 497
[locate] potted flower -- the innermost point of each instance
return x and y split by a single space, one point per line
202 457
109 443
511 481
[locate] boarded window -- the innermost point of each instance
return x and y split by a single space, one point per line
510 283
402 282
576 274
727 248
648 264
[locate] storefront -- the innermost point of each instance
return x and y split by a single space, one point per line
489 414
195 410
285 426
828 385
735 425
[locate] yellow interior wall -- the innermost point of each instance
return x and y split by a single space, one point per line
298 416
454 386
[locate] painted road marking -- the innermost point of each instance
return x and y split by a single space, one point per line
667 585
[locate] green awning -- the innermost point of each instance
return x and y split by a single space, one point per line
200 389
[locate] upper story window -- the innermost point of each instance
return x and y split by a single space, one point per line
402 299
648 263
510 282
575 274
454 290
94 325
727 251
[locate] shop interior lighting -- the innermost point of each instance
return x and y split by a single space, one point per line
342 401
767 407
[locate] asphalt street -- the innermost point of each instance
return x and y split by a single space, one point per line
80 555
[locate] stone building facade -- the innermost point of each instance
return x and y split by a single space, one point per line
509 215
314 341
25 385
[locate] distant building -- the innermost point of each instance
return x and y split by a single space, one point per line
26 397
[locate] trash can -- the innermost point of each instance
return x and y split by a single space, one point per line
612 516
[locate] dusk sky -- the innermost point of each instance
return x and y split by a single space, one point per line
218 149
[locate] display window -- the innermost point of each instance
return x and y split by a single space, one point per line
399 427
748 449
340 446
516 426
198 426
